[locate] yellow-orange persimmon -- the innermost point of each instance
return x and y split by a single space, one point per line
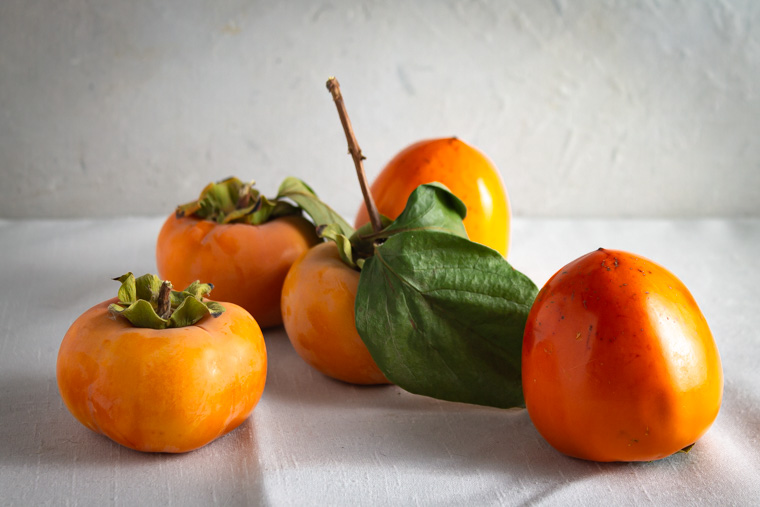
246 263
618 362
162 390
318 313
468 173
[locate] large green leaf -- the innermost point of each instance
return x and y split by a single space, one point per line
322 214
444 317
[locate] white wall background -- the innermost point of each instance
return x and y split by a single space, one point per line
589 108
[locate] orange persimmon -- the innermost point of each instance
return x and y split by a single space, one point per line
246 263
618 362
468 173
318 314
240 241
162 390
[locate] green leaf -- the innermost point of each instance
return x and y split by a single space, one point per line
140 313
430 207
444 317
322 214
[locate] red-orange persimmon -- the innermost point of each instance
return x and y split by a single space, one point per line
618 362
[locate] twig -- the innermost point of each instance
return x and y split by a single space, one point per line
356 153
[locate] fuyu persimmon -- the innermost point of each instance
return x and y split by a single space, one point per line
468 173
193 376
244 255
318 313
618 362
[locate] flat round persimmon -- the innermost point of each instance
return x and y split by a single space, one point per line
468 173
318 313
246 263
162 390
618 362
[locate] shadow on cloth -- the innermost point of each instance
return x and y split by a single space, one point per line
37 431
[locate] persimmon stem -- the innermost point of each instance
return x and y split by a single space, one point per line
356 153
164 300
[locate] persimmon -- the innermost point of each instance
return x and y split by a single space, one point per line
193 376
618 362
246 260
467 172
318 312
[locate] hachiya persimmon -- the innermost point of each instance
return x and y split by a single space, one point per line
618 362
194 375
318 313
237 240
468 173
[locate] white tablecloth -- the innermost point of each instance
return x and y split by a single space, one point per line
315 441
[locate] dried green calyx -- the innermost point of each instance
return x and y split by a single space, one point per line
148 301
232 201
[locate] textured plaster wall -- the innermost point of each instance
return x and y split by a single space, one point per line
589 108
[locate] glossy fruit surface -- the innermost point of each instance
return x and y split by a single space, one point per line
464 170
246 263
618 362
318 313
162 390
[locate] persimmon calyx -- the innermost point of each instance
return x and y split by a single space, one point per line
149 302
233 201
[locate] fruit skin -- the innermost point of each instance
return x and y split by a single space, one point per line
464 170
618 363
168 390
318 312
246 264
